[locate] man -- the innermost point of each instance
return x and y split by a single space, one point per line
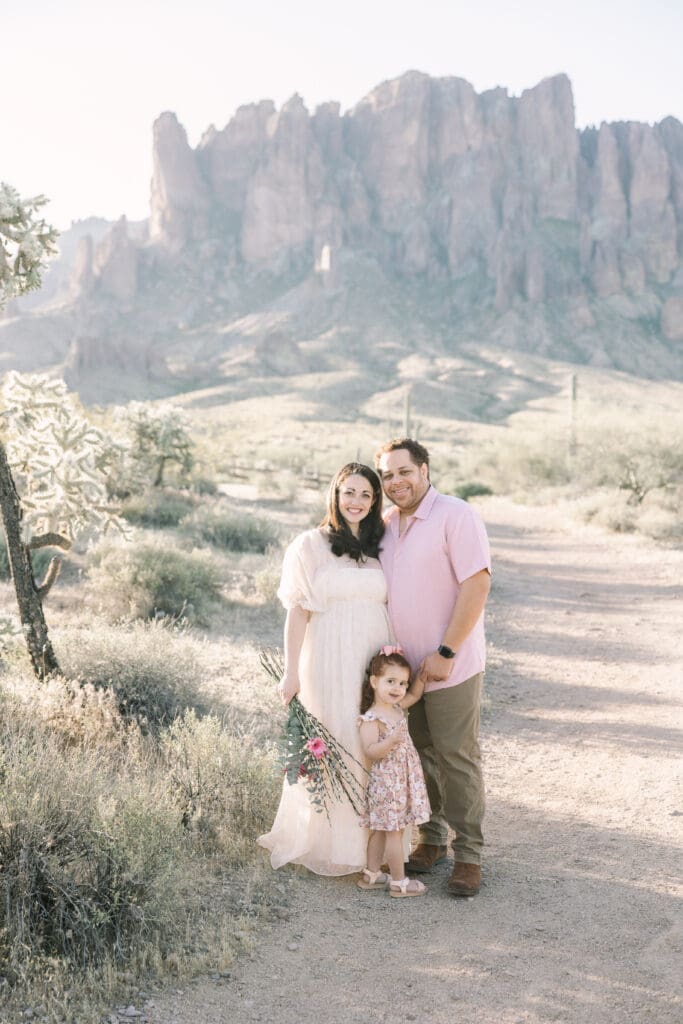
435 555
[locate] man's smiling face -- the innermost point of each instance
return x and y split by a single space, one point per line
404 482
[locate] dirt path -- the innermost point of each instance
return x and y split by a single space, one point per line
580 919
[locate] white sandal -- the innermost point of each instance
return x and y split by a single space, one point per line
403 889
372 879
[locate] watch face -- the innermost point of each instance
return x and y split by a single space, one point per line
445 651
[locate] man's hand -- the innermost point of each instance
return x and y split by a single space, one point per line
434 668
288 687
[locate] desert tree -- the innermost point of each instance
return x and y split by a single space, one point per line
26 242
59 463
153 437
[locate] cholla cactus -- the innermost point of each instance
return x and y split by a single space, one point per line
59 463
155 436
25 243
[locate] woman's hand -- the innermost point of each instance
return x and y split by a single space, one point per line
288 687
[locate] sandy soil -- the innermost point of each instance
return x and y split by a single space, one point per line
580 917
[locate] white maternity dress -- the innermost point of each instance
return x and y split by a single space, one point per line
348 624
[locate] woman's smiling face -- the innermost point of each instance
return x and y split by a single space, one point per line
355 500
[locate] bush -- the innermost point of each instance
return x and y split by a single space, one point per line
228 785
160 508
146 578
513 462
217 525
267 581
89 855
153 672
471 490
78 712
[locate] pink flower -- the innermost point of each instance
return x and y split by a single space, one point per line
390 649
317 747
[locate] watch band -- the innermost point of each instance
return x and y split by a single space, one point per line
445 651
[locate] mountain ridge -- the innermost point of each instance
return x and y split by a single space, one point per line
427 218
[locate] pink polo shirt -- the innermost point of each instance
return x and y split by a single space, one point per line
443 544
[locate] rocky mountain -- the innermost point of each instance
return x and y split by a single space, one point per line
428 220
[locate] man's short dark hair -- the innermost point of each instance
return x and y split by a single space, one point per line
418 453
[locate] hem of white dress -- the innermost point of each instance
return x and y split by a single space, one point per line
326 870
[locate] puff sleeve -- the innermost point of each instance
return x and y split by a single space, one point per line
302 559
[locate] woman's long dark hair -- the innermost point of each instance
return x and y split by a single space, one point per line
370 529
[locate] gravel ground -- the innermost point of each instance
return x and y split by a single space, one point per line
579 918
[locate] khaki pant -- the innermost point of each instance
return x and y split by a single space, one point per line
445 729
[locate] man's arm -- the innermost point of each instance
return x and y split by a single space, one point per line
468 607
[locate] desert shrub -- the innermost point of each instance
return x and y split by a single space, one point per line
267 580
144 578
78 712
663 520
89 856
635 458
224 528
515 462
205 486
227 784
471 490
106 850
159 507
152 671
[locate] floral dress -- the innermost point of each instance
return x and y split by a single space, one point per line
396 795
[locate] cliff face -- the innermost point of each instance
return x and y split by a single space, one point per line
491 216
434 179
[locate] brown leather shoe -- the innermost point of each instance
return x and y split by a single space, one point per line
465 879
425 856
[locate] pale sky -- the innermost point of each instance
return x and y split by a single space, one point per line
83 80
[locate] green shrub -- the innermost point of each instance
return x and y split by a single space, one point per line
227 784
142 579
153 672
88 855
215 524
113 845
203 485
158 507
471 490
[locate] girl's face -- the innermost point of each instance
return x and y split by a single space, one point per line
391 685
355 500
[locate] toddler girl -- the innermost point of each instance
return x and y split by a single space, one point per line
396 794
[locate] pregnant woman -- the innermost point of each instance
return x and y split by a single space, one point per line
334 591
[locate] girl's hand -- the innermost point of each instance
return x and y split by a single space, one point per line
288 687
395 737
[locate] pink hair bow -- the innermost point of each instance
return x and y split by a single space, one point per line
388 649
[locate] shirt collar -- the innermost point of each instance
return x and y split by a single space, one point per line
421 512
425 506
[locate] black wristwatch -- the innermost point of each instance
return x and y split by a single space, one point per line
445 651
